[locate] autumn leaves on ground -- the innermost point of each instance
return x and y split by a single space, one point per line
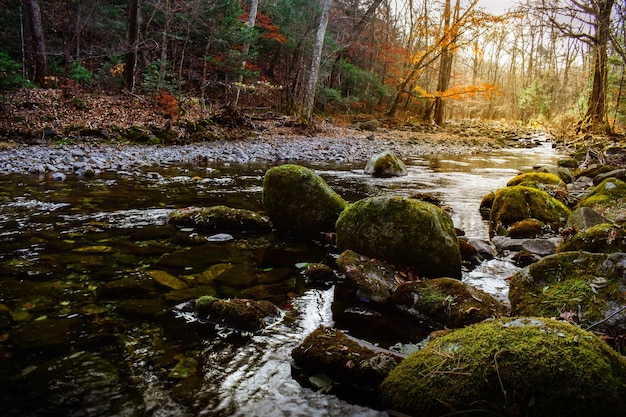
47 115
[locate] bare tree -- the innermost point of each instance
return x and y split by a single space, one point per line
132 28
309 97
34 23
447 55
589 22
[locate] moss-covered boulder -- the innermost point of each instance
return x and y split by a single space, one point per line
446 303
527 228
402 231
607 198
344 360
299 202
581 286
533 178
601 238
515 203
513 366
485 205
373 278
220 218
240 314
384 165
564 171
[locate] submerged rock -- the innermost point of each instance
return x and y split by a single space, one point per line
583 287
446 303
402 231
299 202
239 314
385 165
512 366
79 384
220 218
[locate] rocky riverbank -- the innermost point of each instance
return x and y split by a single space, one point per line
85 156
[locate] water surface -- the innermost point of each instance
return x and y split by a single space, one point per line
85 331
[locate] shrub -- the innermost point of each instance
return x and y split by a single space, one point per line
10 77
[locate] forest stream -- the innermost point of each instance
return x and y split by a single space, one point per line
86 331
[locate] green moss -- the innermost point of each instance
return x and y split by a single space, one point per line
601 238
529 228
402 231
446 303
520 366
607 192
299 202
577 282
515 203
536 177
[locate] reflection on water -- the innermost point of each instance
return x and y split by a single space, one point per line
75 262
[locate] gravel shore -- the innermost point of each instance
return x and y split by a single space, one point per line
89 158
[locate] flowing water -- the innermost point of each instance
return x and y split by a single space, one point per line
84 330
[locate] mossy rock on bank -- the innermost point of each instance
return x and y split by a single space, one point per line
372 277
220 218
328 351
531 178
402 231
385 165
581 286
607 198
527 228
240 314
512 366
515 203
446 303
601 238
299 202
619 174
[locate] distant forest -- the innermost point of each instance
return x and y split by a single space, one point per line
557 62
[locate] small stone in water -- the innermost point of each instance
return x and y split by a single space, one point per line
220 237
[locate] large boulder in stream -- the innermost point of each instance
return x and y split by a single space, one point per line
510 366
532 179
220 218
402 231
446 303
385 165
582 287
299 202
516 203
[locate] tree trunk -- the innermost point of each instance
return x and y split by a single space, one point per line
132 27
40 62
445 69
309 97
595 117
254 6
